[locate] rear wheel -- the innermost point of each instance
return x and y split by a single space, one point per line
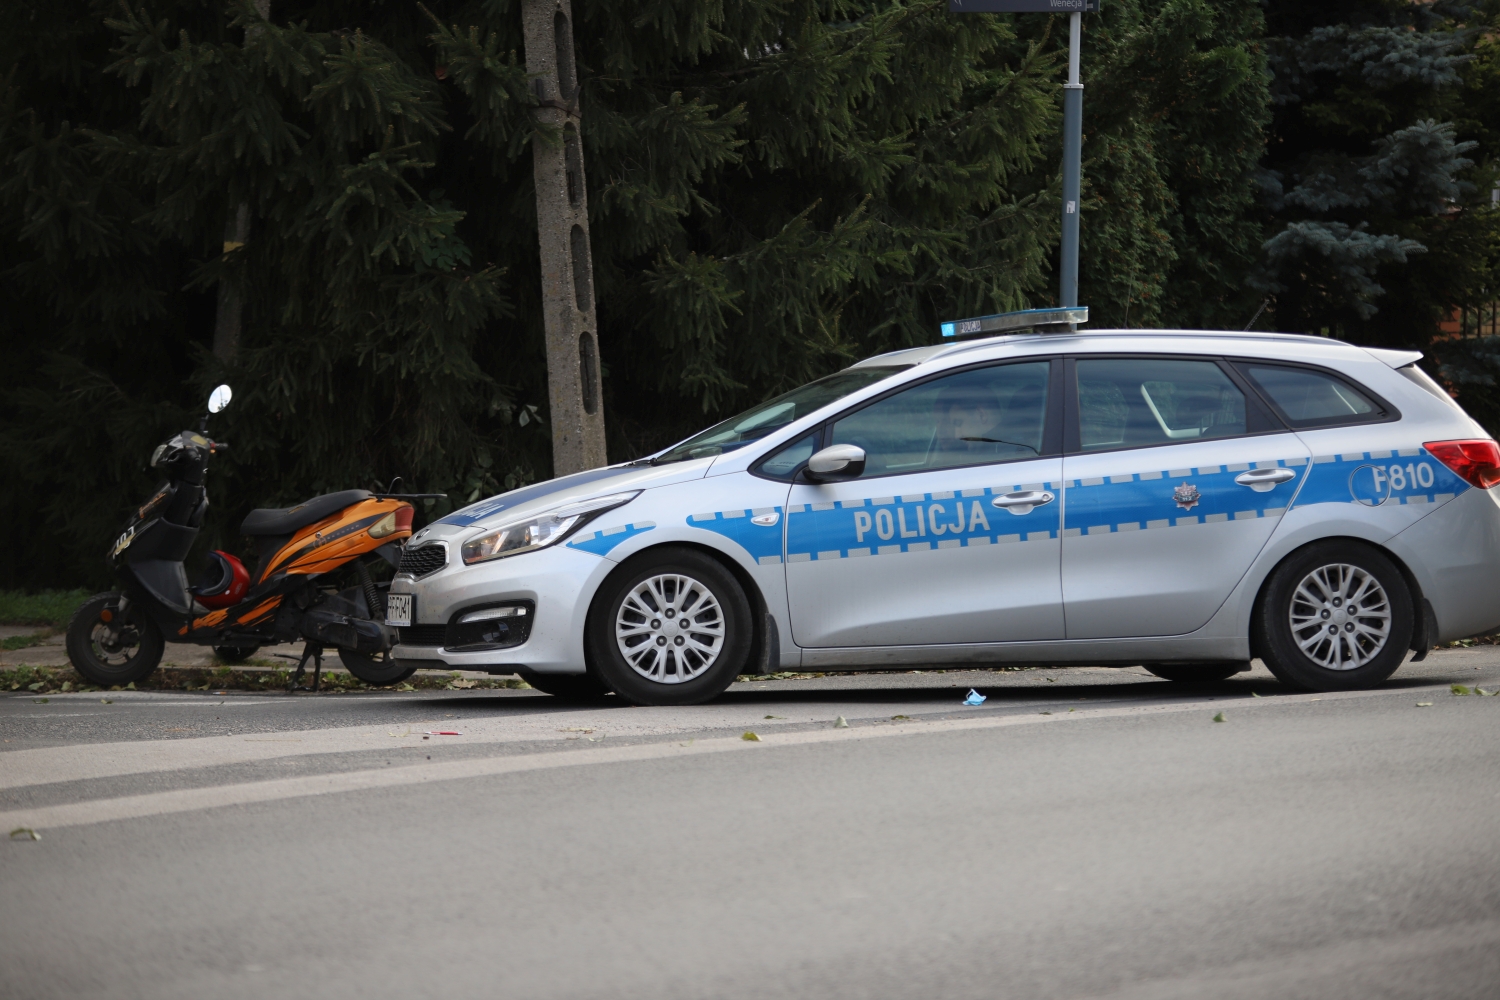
109 646
1196 673
669 627
1336 616
379 669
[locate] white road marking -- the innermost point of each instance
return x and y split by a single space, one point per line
188 800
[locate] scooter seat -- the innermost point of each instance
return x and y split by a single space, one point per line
285 520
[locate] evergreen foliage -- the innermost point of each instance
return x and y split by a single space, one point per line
776 187
1377 227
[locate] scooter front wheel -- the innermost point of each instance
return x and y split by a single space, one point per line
378 670
109 646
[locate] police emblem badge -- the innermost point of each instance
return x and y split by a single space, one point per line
1187 496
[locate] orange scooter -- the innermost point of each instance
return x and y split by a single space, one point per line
304 554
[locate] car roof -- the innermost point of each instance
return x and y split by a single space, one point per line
1289 345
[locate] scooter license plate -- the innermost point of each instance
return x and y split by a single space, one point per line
400 609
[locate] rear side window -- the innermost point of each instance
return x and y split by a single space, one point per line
1309 398
1130 402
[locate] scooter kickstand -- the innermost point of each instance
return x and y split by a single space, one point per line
315 653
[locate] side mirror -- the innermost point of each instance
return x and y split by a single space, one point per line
840 461
219 398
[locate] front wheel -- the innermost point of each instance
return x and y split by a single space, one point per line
109 646
669 627
1336 616
378 670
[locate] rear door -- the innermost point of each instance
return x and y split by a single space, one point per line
1176 476
951 533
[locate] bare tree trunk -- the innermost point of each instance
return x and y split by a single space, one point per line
236 234
573 384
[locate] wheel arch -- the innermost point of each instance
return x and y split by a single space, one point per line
1423 627
759 608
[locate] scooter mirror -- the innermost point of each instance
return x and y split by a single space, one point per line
219 398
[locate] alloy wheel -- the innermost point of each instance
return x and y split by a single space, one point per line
1340 616
670 628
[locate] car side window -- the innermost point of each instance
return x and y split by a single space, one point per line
974 417
1308 398
1131 402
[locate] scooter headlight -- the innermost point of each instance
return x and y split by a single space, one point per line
539 531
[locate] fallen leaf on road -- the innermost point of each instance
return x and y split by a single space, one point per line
776 717
688 743
106 701
895 717
463 684
840 723
575 729
1072 709
24 833
1044 713
1459 689
1424 704
1485 694
596 739
41 701
1220 718
750 735
1255 694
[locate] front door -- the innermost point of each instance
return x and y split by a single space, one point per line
1176 478
950 535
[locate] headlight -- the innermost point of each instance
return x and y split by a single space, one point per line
540 531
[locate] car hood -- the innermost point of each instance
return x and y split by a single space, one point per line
555 492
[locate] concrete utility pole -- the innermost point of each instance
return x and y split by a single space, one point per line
236 233
562 222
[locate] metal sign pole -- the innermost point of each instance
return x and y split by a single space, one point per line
1072 167
1072 151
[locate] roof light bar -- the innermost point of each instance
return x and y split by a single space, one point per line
1063 320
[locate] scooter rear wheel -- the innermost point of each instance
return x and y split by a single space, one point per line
127 656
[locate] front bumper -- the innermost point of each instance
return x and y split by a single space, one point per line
557 582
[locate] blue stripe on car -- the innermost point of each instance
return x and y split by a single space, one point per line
600 542
1370 478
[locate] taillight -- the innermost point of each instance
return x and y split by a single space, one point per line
1476 461
384 526
403 517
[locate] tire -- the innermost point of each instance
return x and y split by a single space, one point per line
1195 673
637 607
379 670
1307 637
130 657
569 687
234 654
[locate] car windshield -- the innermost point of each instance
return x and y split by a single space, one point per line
774 414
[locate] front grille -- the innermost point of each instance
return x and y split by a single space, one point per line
423 559
423 635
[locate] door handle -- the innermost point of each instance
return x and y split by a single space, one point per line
1264 480
1023 502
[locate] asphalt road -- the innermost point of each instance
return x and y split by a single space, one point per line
1084 833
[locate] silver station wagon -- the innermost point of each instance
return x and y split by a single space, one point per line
1181 500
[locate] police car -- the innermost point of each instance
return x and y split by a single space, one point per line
1180 500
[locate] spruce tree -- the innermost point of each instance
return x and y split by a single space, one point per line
1377 227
